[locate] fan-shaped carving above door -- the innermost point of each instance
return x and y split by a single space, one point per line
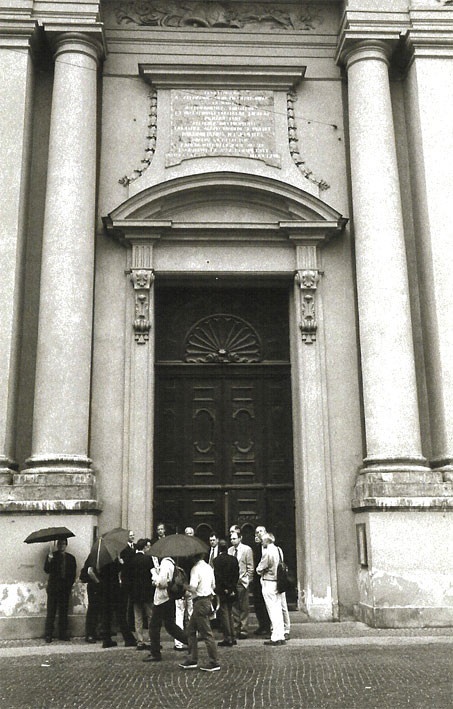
222 339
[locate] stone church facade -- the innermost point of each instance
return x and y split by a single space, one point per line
227 295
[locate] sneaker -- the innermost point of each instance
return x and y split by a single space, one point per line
212 667
188 665
183 648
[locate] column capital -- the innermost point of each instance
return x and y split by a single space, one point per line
375 49
83 39
359 29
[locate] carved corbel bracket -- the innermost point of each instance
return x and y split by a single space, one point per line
307 280
142 280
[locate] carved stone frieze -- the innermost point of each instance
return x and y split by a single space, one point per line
307 280
212 15
222 339
150 145
294 145
142 280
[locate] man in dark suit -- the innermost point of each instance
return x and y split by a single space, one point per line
61 568
126 557
142 589
226 572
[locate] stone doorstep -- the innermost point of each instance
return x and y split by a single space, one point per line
53 478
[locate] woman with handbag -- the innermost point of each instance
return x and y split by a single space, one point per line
267 569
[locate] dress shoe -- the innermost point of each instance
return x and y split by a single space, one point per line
141 646
261 631
109 643
242 636
48 639
130 643
234 642
225 643
90 639
65 638
152 658
275 643
184 648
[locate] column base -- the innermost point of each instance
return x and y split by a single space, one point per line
403 569
401 484
52 484
7 469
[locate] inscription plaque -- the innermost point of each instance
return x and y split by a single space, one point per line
222 123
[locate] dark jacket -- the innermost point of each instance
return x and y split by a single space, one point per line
226 572
127 556
141 586
61 570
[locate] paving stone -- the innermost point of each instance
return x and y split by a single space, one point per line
252 676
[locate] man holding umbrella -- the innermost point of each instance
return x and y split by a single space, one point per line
61 567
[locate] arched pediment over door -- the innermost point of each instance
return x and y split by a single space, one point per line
224 207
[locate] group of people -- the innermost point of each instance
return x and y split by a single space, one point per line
133 590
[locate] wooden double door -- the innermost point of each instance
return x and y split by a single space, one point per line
223 450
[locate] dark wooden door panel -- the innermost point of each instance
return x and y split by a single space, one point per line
202 432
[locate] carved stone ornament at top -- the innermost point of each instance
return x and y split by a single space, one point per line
219 15
307 280
222 339
142 280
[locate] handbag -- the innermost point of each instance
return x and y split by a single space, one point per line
284 579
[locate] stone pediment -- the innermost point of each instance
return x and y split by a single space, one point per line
234 205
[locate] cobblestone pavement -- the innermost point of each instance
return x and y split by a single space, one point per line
415 673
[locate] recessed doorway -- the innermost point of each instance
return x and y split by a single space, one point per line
223 421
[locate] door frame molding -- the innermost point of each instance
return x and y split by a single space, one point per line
294 242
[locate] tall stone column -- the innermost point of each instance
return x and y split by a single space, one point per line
429 97
62 390
16 87
389 383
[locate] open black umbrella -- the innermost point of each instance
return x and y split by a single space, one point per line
178 545
108 547
49 534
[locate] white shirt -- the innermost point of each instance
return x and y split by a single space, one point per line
161 577
202 579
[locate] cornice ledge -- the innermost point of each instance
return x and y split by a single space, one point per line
360 27
422 42
197 76
18 32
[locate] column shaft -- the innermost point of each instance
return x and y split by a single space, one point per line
62 392
429 100
388 369
16 86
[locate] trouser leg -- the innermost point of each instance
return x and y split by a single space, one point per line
169 622
261 613
51 612
286 620
92 616
154 629
138 616
63 606
202 608
274 608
